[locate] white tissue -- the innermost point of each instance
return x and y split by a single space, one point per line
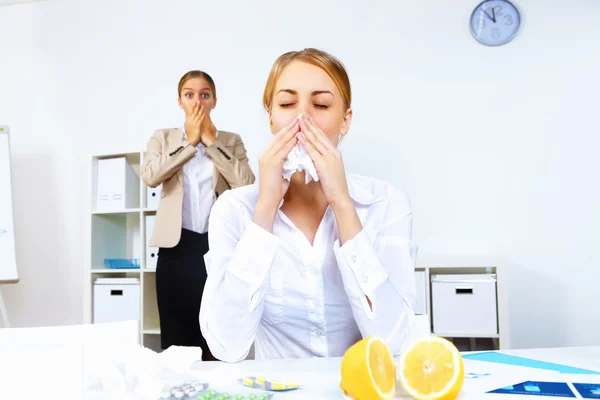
298 160
137 370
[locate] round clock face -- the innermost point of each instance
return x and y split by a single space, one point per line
495 22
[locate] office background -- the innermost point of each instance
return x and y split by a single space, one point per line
497 147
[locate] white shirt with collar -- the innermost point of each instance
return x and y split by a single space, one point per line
294 300
198 196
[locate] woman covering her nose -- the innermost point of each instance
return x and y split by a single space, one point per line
195 164
308 269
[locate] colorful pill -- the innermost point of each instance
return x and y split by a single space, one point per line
277 386
292 385
248 382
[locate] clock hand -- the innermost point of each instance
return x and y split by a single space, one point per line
494 14
488 15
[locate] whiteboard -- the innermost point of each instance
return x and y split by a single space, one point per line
8 260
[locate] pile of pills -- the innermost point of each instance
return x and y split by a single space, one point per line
214 395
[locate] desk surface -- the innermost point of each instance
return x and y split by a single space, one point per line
320 377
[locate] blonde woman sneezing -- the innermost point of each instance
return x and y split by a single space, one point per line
308 269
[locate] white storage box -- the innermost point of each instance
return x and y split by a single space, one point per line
464 305
153 197
151 252
421 282
118 185
116 299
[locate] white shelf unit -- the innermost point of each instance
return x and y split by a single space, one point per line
120 233
454 265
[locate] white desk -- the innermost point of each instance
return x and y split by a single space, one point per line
320 377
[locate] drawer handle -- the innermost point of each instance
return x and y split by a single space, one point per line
464 290
116 293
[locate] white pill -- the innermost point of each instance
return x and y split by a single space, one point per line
179 395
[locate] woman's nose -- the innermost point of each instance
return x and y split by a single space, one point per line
305 111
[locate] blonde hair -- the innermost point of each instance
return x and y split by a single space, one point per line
319 58
196 74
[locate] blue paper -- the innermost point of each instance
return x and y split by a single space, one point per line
550 389
588 390
500 358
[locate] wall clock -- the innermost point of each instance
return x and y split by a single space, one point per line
495 22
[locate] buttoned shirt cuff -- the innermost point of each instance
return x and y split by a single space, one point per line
358 257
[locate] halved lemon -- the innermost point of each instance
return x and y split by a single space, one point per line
431 369
368 371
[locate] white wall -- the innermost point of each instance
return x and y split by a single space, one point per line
496 146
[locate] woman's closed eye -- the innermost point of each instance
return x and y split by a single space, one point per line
321 106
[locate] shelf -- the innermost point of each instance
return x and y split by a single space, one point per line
155 331
117 212
149 271
150 210
115 236
467 335
115 271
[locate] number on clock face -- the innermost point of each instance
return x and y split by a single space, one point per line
495 22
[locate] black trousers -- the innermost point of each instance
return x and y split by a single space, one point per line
180 280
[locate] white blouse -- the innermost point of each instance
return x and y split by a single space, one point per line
295 300
198 190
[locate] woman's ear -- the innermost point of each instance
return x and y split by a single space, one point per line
346 122
179 102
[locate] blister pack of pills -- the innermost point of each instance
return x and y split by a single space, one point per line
260 382
200 391
185 391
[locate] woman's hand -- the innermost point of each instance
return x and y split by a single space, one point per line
208 131
193 122
330 168
271 185
328 162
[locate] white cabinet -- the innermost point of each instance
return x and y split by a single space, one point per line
465 299
119 229
464 304
116 299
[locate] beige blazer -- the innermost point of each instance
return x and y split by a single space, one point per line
165 155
